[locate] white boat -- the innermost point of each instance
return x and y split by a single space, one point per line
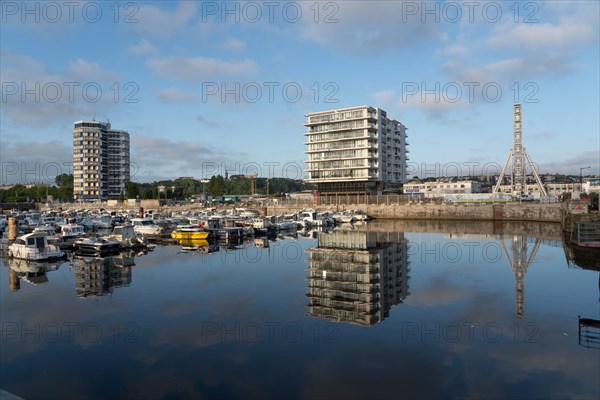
309 218
34 246
125 235
97 245
104 221
71 232
145 226
343 217
49 230
286 225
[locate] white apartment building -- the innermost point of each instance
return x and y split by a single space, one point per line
101 162
355 150
440 189
552 189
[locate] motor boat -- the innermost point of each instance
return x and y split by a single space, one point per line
34 247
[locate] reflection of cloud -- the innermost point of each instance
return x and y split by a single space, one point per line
438 292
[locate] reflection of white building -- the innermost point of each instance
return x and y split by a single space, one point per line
357 276
440 189
98 276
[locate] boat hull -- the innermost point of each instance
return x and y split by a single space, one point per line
198 235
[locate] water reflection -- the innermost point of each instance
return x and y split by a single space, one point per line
32 272
357 276
98 276
245 324
519 262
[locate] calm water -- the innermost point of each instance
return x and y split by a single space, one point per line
391 310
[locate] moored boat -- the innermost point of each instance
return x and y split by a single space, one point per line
145 226
126 236
97 245
191 233
34 247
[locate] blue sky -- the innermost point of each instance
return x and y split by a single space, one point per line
207 86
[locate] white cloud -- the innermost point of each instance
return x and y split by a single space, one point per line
91 71
452 51
509 70
570 31
34 161
165 157
370 26
200 68
143 47
156 21
508 52
52 96
172 95
435 103
234 44
571 165
383 96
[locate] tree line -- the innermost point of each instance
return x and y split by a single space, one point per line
186 188
62 190
178 189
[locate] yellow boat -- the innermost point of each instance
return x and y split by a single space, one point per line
189 233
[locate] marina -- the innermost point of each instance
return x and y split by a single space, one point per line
293 313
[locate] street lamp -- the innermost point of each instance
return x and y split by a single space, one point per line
581 177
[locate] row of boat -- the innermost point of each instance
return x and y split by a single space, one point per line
48 241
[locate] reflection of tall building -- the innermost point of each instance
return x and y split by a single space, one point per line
357 276
98 276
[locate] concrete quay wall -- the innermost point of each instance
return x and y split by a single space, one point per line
461 212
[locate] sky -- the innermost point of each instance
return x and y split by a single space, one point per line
205 87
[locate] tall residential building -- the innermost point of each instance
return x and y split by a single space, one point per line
355 150
100 161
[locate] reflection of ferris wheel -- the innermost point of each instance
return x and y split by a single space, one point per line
519 263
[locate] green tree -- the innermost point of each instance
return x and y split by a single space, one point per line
216 186
64 180
132 189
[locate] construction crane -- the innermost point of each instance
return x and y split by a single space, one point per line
252 187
